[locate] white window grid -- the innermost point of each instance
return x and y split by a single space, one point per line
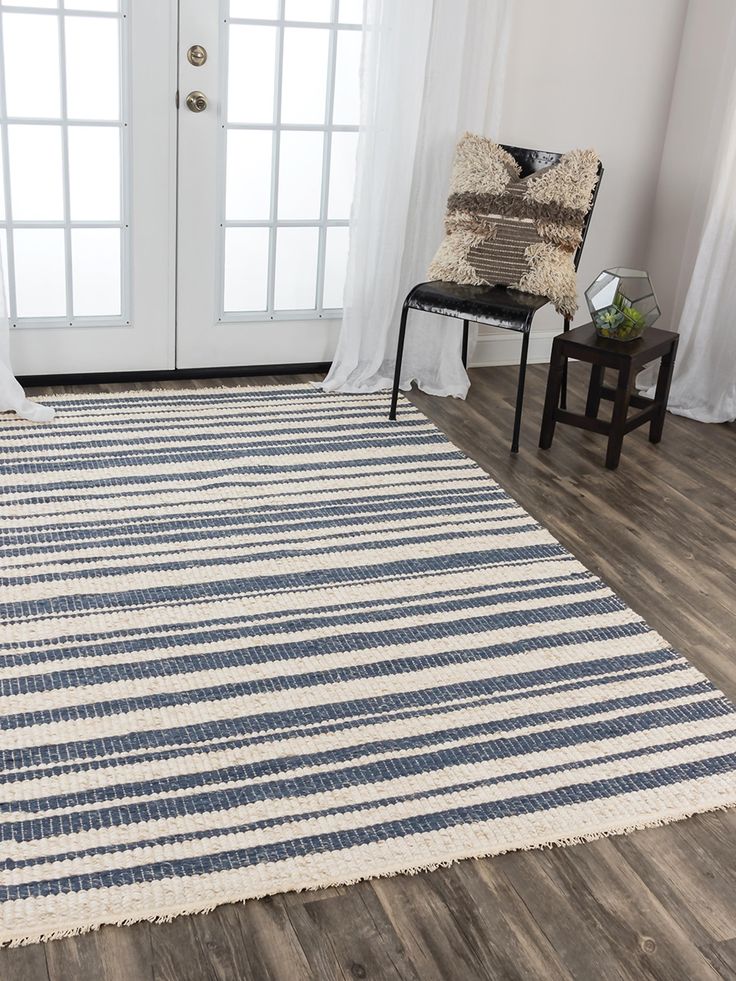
273 223
8 225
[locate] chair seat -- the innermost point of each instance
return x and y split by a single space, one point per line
496 305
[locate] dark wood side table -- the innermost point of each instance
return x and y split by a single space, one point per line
626 358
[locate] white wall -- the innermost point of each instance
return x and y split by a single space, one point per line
594 73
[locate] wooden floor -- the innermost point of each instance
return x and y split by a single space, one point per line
655 904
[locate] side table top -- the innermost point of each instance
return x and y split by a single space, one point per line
652 343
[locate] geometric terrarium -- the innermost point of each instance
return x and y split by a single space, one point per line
622 303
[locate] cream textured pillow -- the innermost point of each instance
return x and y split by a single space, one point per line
507 230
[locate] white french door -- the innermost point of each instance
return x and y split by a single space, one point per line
271 158
87 217
143 229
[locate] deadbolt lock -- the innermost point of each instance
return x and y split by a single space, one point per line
196 102
197 55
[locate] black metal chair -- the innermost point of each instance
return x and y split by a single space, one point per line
493 305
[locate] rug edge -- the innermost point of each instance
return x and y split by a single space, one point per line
10 941
176 389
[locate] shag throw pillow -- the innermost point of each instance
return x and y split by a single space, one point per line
507 230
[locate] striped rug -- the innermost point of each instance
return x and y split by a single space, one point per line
262 639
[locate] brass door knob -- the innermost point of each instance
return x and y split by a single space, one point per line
196 102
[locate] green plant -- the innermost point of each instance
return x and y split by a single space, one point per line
621 320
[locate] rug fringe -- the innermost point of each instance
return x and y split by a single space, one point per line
168 917
178 390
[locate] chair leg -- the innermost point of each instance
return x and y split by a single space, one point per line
466 325
563 390
520 392
399 359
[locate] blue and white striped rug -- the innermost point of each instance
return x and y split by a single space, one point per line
261 639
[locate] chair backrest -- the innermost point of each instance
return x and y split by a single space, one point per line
531 161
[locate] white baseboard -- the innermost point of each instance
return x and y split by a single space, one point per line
504 347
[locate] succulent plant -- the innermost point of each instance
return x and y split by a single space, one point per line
609 318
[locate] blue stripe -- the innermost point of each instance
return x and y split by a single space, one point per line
464 736
266 551
325 842
244 396
10 501
381 669
287 435
344 642
228 628
293 786
276 471
314 578
266 514
275 736
225 451
274 726
227 416
425 793
227 523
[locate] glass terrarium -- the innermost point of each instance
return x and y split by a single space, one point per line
622 303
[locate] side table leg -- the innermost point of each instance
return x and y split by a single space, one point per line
593 404
618 421
662 392
557 365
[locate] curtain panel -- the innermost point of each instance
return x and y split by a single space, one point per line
12 396
431 70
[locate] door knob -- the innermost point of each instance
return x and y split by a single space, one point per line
197 55
196 102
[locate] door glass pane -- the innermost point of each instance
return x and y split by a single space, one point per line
31 52
255 9
296 268
46 4
346 107
351 12
40 278
248 187
304 84
342 174
251 66
92 68
35 173
96 272
300 175
94 173
246 269
336 259
306 10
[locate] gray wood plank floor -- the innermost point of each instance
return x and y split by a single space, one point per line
658 904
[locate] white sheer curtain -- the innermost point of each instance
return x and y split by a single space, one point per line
431 70
704 383
12 396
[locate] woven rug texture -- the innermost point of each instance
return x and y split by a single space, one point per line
261 639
